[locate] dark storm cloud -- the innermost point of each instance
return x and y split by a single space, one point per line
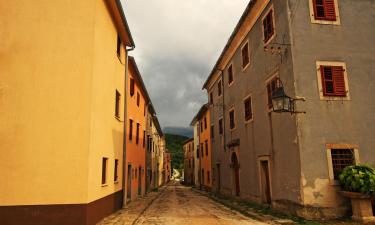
178 42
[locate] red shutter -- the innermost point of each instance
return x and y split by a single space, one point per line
339 81
329 8
324 10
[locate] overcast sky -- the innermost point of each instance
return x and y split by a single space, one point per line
177 44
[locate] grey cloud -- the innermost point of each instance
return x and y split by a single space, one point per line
178 42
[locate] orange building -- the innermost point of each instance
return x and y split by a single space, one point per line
137 105
204 124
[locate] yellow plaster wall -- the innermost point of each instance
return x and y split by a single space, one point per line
106 130
45 84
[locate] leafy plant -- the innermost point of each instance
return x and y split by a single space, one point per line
358 178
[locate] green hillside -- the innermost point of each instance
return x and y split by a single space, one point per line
174 145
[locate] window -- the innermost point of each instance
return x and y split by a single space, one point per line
138 98
245 55
202 150
144 139
333 81
248 109
211 98
117 104
201 125
271 88
130 129
115 177
137 134
118 46
104 170
202 175
206 146
324 10
219 88
221 126
132 84
268 26
341 158
230 75
232 123
332 78
205 123
198 151
212 132
208 176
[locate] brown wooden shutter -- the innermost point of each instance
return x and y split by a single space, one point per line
324 10
333 81
339 81
329 8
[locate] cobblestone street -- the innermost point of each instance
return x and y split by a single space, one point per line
176 204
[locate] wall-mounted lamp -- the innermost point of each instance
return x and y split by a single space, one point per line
282 102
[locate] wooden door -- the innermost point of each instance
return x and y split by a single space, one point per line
265 181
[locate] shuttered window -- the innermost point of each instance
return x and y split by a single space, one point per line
232 123
248 109
206 146
118 50
268 28
117 104
138 99
132 84
324 10
137 134
130 130
221 126
245 55
104 170
115 176
333 81
230 75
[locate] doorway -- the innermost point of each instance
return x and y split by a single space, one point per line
218 178
236 174
139 181
129 184
265 181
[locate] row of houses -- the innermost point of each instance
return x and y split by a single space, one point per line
79 136
289 106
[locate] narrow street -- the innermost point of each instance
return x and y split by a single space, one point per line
180 205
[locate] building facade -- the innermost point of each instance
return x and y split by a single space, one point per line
195 126
62 103
137 111
292 161
189 162
203 128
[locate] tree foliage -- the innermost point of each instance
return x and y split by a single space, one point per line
174 145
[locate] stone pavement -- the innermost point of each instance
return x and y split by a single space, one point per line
132 211
177 205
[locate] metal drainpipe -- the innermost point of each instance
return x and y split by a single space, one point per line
124 172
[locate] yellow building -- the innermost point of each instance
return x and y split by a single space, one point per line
157 146
62 91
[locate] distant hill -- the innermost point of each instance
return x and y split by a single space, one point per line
174 145
183 131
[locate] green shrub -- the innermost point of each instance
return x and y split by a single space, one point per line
358 178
